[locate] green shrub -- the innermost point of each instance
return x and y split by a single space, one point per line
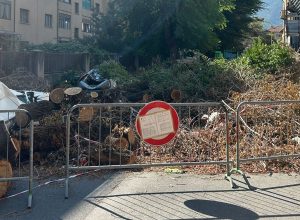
67 79
269 58
198 78
114 70
240 69
65 47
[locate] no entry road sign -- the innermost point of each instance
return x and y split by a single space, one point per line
157 123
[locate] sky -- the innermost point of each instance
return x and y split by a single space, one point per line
271 12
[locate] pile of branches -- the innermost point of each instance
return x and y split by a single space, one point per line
25 81
268 130
264 131
270 88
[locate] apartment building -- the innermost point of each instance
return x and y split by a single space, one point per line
40 21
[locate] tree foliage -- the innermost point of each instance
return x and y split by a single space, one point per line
149 28
240 24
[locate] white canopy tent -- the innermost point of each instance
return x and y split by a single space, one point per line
8 101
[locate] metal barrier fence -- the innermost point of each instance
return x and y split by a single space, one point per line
103 136
13 132
266 130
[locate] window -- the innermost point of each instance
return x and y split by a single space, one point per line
5 11
64 21
66 1
86 26
48 20
97 8
24 16
87 4
76 7
76 33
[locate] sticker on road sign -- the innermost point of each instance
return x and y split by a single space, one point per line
156 124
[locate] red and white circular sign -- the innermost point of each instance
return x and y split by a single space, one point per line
157 123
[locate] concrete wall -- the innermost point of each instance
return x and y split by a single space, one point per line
40 63
27 31
7 25
35 31
46 34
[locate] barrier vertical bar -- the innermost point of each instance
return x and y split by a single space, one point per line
227 143
238 138
31 166
67 154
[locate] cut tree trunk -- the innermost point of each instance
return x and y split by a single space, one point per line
57 95
37 110
131 136
176 95
86 114
9 147
5 172
117 142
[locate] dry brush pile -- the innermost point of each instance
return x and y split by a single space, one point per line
264 131
268 130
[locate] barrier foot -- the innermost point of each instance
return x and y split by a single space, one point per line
232 184
66 188
29 201
234 170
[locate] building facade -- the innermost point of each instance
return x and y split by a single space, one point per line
41 21
275 33
291 18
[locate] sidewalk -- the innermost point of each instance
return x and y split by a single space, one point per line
150 195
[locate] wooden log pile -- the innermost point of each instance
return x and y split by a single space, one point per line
5 172
50 133
9 150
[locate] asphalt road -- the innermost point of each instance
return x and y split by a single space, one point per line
151 195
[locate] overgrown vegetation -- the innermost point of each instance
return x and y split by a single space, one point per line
69 79
268 58
114 70
200 78
150 36
65 47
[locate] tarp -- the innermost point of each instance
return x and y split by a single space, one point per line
8 101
